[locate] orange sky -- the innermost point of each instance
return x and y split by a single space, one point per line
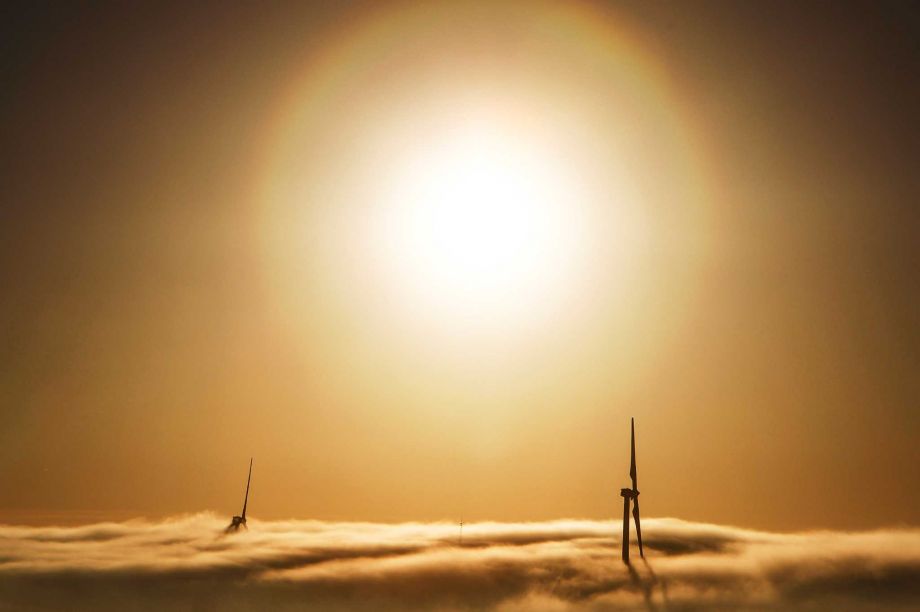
192 272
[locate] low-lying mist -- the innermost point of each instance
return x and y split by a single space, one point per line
187 563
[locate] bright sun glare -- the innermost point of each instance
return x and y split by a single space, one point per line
484 221
430 189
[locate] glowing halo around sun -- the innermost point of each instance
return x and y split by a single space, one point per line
480 166
480 220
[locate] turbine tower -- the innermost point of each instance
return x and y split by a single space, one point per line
240 521
631 494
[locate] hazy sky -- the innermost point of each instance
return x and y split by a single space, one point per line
204 256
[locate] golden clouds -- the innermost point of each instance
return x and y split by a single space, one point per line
557 565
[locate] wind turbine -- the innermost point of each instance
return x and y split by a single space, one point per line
240 521
631 494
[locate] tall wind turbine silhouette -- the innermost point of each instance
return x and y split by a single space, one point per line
631 494
240 521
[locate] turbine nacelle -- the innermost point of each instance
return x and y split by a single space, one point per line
236 522
630 493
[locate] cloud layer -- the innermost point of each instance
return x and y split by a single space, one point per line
187 563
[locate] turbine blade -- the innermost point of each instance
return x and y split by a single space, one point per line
638 528
632 454
246 499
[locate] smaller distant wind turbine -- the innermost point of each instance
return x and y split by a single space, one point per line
631 494
460 540
240 521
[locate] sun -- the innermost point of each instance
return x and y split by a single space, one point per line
483 221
